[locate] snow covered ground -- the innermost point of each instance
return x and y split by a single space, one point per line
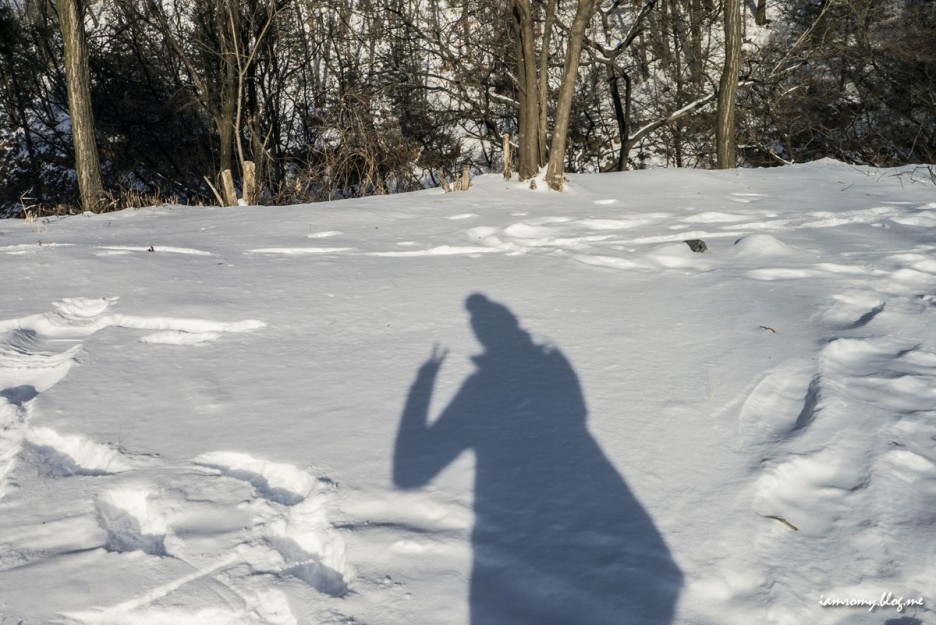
229 416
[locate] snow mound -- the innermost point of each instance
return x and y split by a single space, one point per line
678 256
755 246
922 219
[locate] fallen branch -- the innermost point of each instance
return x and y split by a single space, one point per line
215 191
782 520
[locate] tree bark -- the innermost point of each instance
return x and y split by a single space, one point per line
544 80
78 82
528 153
725 128
227 186
229 95
760 17
621 112
555 170
249 183
507 161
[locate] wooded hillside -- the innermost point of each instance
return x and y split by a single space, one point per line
284 101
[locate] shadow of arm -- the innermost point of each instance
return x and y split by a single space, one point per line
423 450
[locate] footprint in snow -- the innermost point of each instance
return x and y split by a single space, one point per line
132 521
279 482
786 400
311 549
304 543
210 540
29 366
58 455
844 457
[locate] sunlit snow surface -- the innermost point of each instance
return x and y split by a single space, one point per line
200 407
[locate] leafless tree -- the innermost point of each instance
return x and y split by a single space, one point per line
584 11
725 127
78 76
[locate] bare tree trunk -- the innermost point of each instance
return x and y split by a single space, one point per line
725 128
229 94
249 183
225 120
621 112
227 186
78 79
529 151
760 17
507 157
463 182
555 170
544 80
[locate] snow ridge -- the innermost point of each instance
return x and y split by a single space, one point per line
827 490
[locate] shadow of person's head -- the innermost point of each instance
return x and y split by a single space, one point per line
496 327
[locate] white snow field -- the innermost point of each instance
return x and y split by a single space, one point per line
494 407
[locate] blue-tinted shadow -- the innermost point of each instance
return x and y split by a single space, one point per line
559 538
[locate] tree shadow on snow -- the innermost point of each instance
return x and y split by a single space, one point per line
559 538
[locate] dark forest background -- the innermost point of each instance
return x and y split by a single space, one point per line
325 99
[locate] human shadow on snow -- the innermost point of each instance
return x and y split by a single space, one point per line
559 538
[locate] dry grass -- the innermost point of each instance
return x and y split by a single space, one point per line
33 210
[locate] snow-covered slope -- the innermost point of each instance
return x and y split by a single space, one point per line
232 415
